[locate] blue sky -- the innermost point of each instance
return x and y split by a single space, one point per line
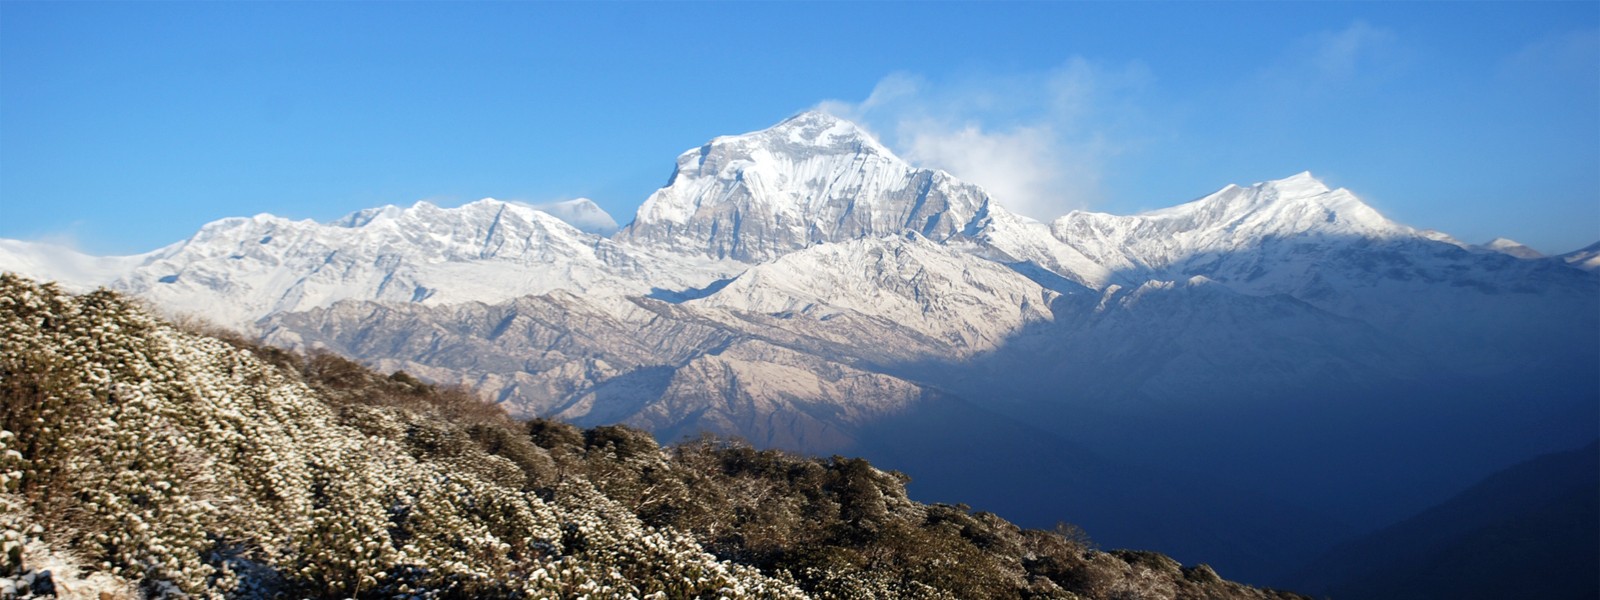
126 126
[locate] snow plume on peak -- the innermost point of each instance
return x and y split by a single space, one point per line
581 213
811 178
74 270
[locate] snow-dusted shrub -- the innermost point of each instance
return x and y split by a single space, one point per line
191 467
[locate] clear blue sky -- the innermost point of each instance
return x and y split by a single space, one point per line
126 126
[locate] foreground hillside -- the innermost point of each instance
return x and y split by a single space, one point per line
144 460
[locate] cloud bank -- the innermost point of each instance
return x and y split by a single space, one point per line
1038 141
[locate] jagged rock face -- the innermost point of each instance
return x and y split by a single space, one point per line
813 178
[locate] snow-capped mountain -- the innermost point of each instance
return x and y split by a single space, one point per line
235 271
1234 221
811 179
803 287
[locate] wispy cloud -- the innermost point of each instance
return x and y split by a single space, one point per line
68 237
1573 55
1038 141
1340 55
1333 61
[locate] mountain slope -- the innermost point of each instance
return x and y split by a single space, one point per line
1526 531
183 465
1586 258
965 305
179 464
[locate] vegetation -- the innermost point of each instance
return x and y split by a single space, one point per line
141 459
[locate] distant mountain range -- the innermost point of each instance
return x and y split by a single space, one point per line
1244 379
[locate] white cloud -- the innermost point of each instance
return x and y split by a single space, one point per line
1333 60
1337 55
69 237
1568 56
1038 141
892 89
1019 166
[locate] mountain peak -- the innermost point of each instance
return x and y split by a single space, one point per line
1511 247
1294 204
808 132
813 119
1297 185
811 178
1227 222
816 120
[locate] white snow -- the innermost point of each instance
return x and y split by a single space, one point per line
75 270
234 271
1586 258
581 213
1510 247
966 302
812 178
